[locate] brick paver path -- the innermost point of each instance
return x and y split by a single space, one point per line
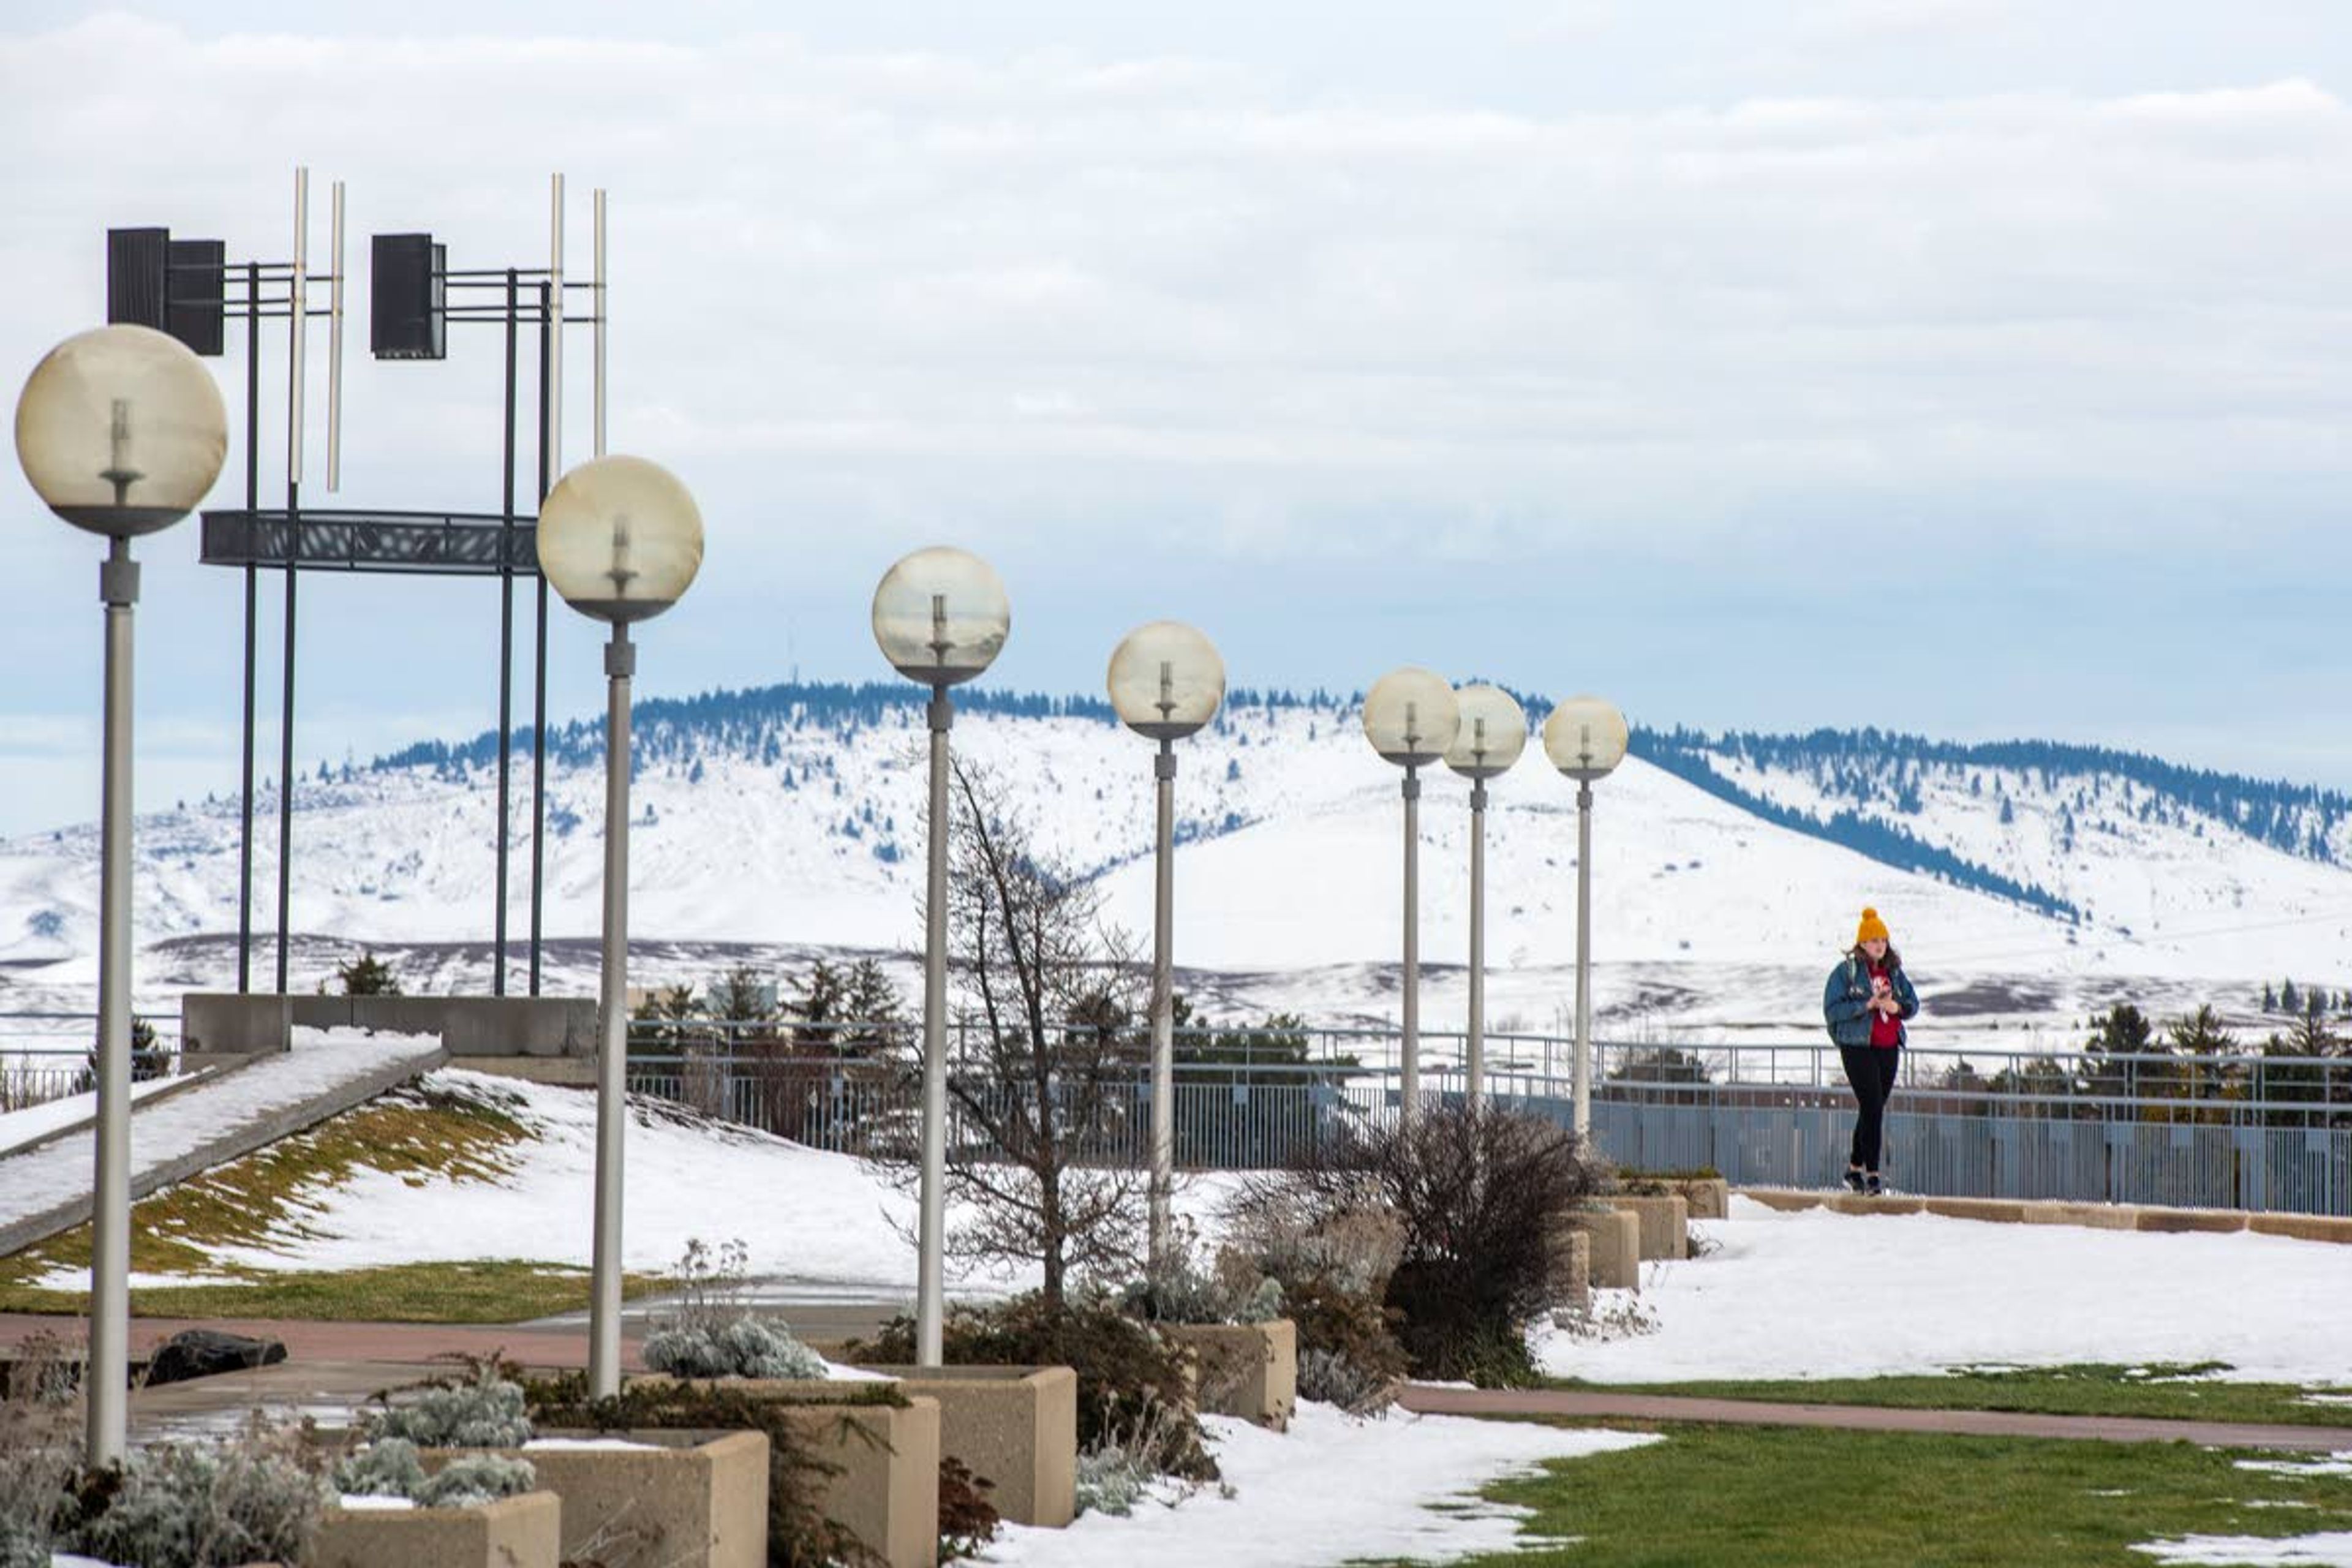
1427 1399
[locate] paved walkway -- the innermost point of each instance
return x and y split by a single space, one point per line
1430 1400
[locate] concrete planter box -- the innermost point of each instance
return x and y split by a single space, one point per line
1664 1226
887 1489
1572 1288
523 1532
1249 1370
687 1500
1614 1237
1708 1197
1017 1426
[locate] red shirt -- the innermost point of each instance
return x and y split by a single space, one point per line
1885 1028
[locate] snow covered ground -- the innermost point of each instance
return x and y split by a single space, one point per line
39 1179
1333 1489
1817 1294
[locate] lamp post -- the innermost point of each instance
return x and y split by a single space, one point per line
1585 738
940 617
1493 733
1409 716
621 539
1166 681
121 432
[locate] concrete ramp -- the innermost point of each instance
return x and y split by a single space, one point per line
44 1187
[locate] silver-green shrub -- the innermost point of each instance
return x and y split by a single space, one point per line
487 1412
746 1347
255 1497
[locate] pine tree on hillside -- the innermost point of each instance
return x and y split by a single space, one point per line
2269 999
2290 1000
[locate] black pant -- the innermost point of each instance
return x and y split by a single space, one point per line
1871 1070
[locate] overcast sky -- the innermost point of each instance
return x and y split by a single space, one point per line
1965 366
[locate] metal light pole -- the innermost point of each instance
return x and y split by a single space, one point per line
1411 718
121 432
621 539
1493 733
1166 681
940 617
1585 738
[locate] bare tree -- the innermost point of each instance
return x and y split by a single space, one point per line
1045 1090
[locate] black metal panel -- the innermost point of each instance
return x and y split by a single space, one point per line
409 298
135 279
198 301
448 544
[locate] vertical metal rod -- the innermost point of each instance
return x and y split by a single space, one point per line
297 342
506 670
539 664
612 1018
930 1270
108 1378
335 344
252 592
1580 1087
1163 1011
1474 1066
297 345
602 311
1409 1063
555 319
286 732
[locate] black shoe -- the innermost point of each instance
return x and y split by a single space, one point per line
1872 1187
1853 1183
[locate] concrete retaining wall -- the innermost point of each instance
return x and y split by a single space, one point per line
2095 1216
215 1024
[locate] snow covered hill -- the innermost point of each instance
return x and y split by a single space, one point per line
1728 870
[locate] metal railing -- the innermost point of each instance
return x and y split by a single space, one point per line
46 1056
2245 1131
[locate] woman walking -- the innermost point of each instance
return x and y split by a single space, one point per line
1865 1004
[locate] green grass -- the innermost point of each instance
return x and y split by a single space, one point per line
483 1291
2085 1389
1801 1498
274 1197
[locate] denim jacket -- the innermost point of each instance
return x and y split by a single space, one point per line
1845 1002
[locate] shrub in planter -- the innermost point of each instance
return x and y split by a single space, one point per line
1476 1190
1232 1289
1126 1370
1333 1263
715 1333
255 1497
487 1411
748 1347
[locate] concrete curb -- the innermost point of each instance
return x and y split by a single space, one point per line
1422 1399
2332 1229
241 1139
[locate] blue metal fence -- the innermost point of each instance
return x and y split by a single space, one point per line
2242 1131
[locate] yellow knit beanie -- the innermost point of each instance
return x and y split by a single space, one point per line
1872 929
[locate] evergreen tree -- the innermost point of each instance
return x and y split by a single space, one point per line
2290 999
367 976
2269 999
